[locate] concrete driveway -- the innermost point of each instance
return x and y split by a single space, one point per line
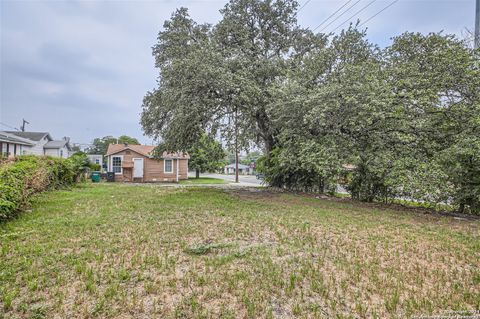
244 180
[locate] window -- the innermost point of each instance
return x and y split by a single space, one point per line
168 166
61 153
97 161
117 164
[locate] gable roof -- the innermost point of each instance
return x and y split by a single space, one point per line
10 138
34 136
145 150
57 144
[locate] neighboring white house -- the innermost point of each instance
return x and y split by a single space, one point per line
96 159
242 169
60 148
42 144
11 145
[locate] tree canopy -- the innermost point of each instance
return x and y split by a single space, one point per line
206 155
100 145
396 122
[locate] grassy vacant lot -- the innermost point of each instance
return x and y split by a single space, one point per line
203 180
113 250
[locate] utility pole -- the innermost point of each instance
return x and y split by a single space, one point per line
477 25
22 128
236 145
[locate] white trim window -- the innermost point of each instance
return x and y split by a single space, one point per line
168 166
117 164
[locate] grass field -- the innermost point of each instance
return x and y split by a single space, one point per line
203 180
113 250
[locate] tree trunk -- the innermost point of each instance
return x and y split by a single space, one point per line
264 126
461 208
236 145
197 173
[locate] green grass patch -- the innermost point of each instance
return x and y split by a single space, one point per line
116 250
203 180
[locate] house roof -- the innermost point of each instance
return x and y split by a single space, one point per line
10 138
145 150
34 136
240 166
56 144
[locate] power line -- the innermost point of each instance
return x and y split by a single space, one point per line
332 15
303 6
337 17
368 5
9 126
376 14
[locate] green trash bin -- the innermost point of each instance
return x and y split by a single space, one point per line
95 177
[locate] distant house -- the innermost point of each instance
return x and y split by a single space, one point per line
59 148
41 143
11 145
136 163
95 159
242 169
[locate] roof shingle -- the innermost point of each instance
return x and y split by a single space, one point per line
34 136
10 138
145 150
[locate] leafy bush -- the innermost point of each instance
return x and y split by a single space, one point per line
95 167
26 175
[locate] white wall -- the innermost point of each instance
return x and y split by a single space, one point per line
37 149
94 158
57 152
64 152
51 152
11 148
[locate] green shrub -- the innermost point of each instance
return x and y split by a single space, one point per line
95 167
26 175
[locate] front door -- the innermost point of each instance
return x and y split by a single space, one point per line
137 167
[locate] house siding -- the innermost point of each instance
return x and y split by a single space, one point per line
153 169
93 159
14 149
37 149
64 151
51 152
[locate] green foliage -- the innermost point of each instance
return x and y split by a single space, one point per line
100 145
26 175
222 79
206 155
95 167
249 158
405 119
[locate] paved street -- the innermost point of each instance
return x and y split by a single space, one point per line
244 180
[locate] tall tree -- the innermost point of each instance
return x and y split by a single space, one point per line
223 79
100 145
206 155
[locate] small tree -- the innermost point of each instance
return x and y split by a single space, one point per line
100 145
206 155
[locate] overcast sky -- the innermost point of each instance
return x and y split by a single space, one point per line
81 68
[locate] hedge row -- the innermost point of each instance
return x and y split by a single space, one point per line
24 176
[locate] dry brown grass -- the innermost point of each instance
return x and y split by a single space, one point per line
125 251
